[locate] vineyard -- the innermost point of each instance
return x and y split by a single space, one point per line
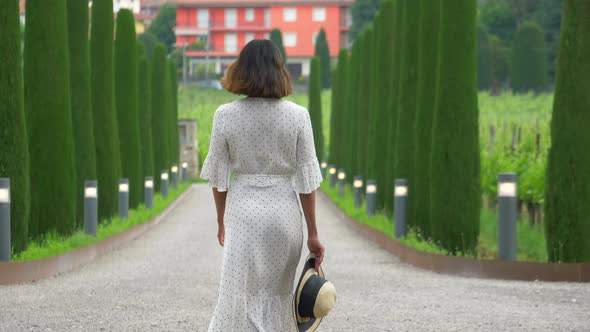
517 121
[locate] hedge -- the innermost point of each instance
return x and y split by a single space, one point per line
159 104
315 106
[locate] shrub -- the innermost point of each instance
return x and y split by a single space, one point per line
126 100
567 224
106 132
49 115
454 176
14 150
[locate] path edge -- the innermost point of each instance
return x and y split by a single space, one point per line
463 266
28 271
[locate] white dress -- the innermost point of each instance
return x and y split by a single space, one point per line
267 146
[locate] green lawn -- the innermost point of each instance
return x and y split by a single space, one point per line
531 241
53 244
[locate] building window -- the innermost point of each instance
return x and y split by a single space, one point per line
314 37
290 39
318 14
267 18
231 42
231 18
203 18
249 37
290 14
249 14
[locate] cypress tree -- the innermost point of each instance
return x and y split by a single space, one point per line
362 114
427 59
106 130
158 108
315 106
49 115
14 149
567 190
276 36
372 110
484 59
342 79
529 59
455 199
174 135
322 51
145 117
349 145
393 100
335 116
338 113
126 101
383 87
406 121
85 147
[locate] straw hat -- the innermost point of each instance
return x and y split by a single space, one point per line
313 298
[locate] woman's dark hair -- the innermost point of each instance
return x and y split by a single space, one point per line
259 71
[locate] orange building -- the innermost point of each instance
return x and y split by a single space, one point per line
225 26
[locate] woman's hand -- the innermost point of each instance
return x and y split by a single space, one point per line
314 245
220 234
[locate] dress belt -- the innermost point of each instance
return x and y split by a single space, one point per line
262 180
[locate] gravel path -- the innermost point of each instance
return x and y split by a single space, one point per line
167 281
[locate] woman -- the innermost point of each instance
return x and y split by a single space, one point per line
266 143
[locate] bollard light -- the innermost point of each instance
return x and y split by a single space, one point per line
332 171
184 172
358 191
90 207
323 166
149 192
341 177
124 198
5 237
175 176
400 208
164 183
371 197
507 215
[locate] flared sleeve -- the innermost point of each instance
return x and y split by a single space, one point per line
216 167
308 175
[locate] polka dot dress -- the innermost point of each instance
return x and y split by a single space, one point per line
265 148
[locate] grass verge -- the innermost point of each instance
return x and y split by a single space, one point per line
530 239
53 244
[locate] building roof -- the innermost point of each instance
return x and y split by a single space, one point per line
153 3
255 3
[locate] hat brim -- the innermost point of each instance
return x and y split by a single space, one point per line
309 324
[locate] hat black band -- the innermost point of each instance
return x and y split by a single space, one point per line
309 294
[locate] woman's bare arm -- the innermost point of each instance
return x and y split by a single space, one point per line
220 198
313 242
